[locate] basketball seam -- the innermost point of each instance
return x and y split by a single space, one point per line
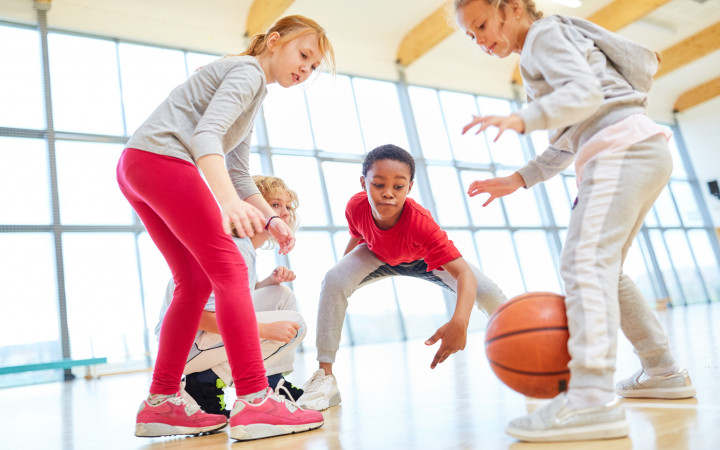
530 373
529 330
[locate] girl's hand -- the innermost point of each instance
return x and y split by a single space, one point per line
281 274
496 187
511 122
243 216
282 234
453 337
283 331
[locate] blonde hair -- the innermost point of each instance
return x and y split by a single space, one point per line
270 187
289 28
500 4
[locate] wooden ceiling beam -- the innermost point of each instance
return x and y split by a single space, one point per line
263 13
698 95
425 35
614 17
690 49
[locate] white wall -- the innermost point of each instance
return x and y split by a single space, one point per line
699 127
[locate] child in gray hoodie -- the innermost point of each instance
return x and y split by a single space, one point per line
590 87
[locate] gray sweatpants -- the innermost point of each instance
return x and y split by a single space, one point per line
616 192
361 267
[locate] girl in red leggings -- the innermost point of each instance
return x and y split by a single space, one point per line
204 122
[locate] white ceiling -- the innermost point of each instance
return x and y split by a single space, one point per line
366 35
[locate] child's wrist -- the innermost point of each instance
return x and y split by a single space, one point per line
267 224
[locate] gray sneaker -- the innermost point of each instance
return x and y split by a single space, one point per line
674 385
556 422
321 392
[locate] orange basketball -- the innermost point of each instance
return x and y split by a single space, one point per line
526 344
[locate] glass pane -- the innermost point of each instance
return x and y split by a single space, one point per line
28 288
685 267
374 315
105 315
463 241
342 181
24 182
689 211
265 262
700 242
483 216
333 115
148 75
380 116
430 123
507 150
458 110
87 186
665 209
21 84
255 164
637 270
28 293
311 258
498 260
663 260
286 117
195 61
540 141
448 195
155 277
422 306
85 85
678 166
521 206
559 201
301 175
538 267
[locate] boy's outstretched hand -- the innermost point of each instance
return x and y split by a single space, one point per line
496 187
453 337
511 122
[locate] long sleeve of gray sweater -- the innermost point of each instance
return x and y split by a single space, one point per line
213 112
579 78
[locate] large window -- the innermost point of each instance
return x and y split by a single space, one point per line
81 278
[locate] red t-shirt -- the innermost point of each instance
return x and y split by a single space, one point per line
415 236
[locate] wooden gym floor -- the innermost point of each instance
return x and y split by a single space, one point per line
391 400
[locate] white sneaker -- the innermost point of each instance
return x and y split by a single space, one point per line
555 422
674 385
321 392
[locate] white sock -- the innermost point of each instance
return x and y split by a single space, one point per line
661 370
588 397
250 397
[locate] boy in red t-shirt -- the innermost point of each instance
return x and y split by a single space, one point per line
392 235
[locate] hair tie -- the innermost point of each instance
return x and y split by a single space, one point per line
267 225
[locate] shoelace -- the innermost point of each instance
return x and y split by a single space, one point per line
316 384
189 408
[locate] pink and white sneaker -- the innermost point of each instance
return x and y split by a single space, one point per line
173 416
270 416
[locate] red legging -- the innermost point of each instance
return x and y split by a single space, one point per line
183 219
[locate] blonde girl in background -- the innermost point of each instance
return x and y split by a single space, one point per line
280 325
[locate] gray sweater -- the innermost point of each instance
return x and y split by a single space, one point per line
579 79
213 112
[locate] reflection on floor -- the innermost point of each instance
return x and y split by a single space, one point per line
391 400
